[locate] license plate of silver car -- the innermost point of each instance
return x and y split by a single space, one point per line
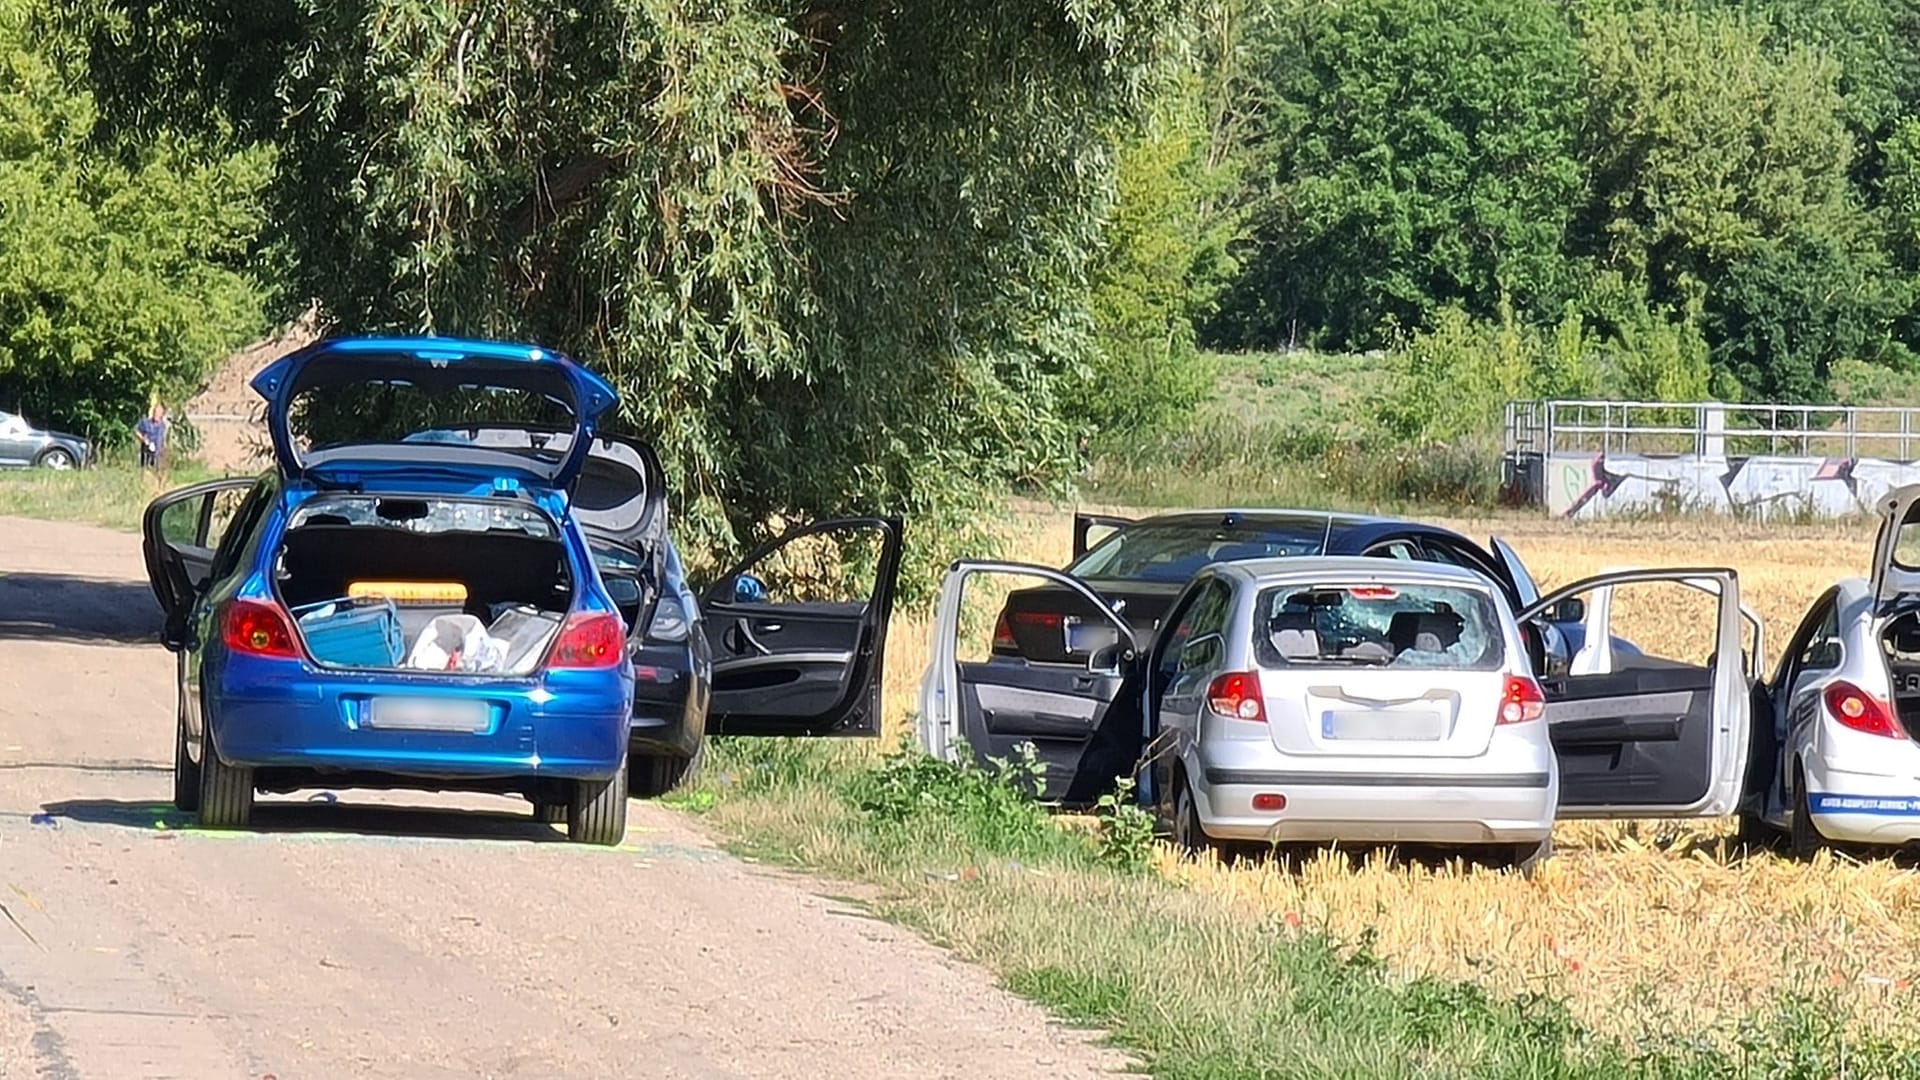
427 714
1384 725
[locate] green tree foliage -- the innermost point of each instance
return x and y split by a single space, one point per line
835 254
120 278
1162 263
1721 167
1409 155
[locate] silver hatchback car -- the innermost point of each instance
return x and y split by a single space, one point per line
1356 700
1370 700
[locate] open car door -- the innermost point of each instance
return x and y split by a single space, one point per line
798 632
1090 529
1661 726
1896 550
180 532
987 709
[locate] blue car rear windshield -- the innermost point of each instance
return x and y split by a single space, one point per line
385 411
1171 552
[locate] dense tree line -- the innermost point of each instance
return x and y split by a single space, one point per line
1739 172
843 256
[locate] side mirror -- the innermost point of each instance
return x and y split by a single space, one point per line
1572 609
748 589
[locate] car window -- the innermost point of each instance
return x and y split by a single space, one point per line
1394 549
1822 649
235 532
1209 620
1404 626
1173 552
1446 551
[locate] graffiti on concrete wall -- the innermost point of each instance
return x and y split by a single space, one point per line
1599 485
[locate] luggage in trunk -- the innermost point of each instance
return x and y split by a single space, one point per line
352 632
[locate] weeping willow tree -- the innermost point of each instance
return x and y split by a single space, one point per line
834 253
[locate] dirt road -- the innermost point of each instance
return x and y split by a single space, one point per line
403 935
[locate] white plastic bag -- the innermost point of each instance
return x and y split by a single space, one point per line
456 643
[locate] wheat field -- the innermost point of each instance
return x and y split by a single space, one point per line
1639 926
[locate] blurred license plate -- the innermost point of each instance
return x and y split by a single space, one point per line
1089 637
1404 725
427 714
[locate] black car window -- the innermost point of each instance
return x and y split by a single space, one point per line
1172 552
1395 549
1821 652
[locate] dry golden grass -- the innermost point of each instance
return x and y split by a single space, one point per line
1640 926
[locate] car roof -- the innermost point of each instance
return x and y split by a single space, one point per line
1318 567
1263 516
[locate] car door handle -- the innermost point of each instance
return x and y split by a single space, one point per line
769 627
740 639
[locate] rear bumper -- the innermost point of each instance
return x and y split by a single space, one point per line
286 714
1492 808
669 701
1863 808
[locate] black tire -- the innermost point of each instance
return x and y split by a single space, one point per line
1754 834
599 811
57 459
552 813
186 771
1803 838
1187 833
654 775
226 791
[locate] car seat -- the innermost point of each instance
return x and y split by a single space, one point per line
1294 635
1423 631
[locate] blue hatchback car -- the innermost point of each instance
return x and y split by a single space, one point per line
417 597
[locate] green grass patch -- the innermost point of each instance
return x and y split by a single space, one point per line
1196 987
112 495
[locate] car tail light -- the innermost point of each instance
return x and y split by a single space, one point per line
1003 639
669 621
1861 711
258 628
1237 695
591 639
1523 700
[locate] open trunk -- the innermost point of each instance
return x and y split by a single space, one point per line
386 583
1900 645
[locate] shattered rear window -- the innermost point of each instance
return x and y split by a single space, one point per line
424 515
1375 625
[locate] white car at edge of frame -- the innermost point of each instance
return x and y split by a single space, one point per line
1836 758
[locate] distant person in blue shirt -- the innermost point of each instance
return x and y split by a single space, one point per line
152 433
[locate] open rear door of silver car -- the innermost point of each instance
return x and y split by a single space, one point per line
985 710
1896 550
1654 730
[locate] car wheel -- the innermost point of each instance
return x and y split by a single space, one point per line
186 772
1187 833
599 811
226 791
56 459
655 775
1803 837
552 813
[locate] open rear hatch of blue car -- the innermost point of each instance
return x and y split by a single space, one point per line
433 541
345 410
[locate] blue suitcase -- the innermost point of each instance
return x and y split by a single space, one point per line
362 633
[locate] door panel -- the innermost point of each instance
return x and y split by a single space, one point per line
1896 550
1661 728
987 709
181 531
798 632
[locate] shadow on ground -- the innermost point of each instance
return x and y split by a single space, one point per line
283 817
61 607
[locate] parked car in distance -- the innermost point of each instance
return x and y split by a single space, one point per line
1836 756
1312 698
408 604
1046 635
24 446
